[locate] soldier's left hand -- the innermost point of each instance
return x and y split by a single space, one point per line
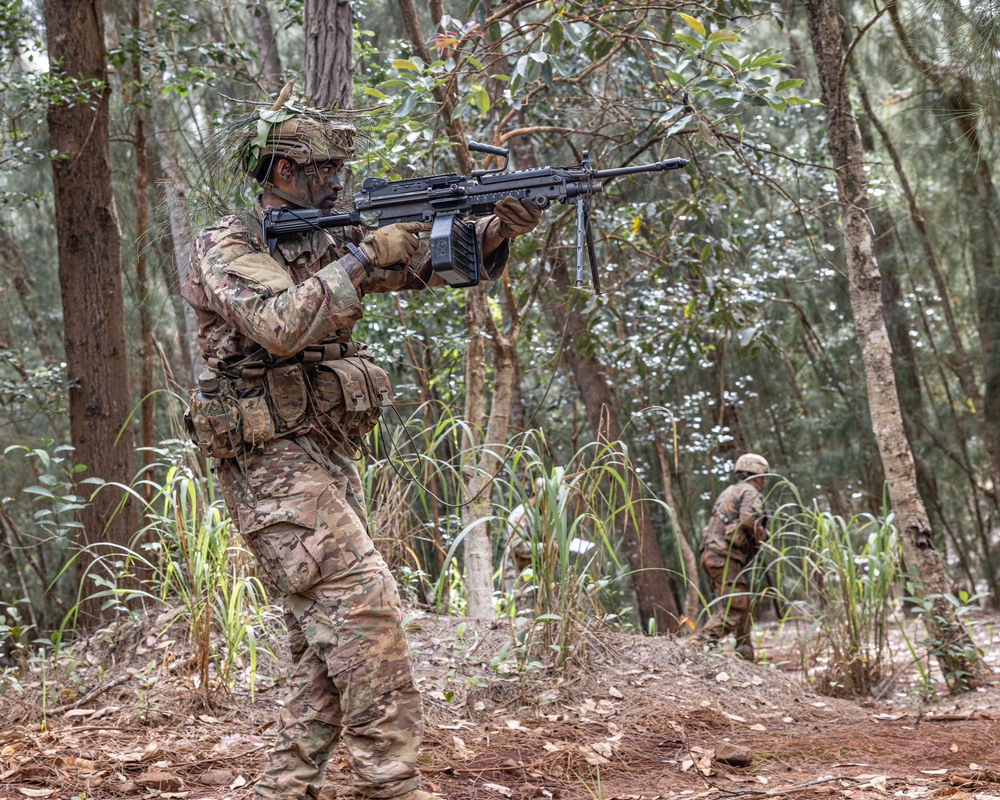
517 217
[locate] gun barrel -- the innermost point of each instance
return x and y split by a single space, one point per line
656 166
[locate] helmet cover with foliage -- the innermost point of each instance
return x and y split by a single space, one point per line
252 142
752 464
304 138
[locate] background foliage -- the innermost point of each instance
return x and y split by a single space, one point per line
725 323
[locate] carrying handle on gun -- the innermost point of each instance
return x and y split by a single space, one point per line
479 147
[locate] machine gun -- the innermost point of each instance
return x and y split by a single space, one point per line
447 202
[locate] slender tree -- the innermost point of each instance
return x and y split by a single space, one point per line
90 270
956 654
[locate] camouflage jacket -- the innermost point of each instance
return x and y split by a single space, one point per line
245 299
736 526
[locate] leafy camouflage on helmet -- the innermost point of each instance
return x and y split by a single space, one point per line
300 135
252 135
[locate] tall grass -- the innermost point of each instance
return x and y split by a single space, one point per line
842 578
416 487
186 558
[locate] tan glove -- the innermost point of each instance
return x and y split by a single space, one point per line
393 244
517 217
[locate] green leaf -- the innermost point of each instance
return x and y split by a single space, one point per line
405 63
409 101
723 35
694 24
368 90
790 83
556 35
690 41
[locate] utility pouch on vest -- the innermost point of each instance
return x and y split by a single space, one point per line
286 386
214 424
350 393
258 425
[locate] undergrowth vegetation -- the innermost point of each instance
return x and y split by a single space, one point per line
837 583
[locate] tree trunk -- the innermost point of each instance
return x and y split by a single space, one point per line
176 201
477 556
649 571
90 271
329 53
480 471
146 343
267 47
956 654
957 88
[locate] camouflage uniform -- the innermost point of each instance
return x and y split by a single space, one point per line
299 504
728 544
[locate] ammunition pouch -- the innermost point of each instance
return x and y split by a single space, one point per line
215 424
349 394
254 402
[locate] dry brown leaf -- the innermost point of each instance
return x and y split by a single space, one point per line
163 781
954 747
75 764
78 712
496 787
616 693
461 751
36 792
215 777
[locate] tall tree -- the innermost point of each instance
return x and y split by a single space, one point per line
267 46
955 652
90 270
329 53
477 545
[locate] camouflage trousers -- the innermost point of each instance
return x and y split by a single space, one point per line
351 677
730 611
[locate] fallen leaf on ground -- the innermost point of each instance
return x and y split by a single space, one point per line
496 787
75 764
215 777
37 792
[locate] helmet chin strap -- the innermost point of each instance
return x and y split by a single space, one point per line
298 202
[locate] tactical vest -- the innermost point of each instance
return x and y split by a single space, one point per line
242 405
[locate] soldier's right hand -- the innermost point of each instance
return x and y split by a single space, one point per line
393 245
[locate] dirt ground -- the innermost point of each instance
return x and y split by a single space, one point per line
641 719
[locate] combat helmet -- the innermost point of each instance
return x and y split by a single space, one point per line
303 139
751 464
291 130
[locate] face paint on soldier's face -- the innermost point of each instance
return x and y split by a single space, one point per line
326 184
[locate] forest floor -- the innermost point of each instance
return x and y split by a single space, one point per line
642 718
